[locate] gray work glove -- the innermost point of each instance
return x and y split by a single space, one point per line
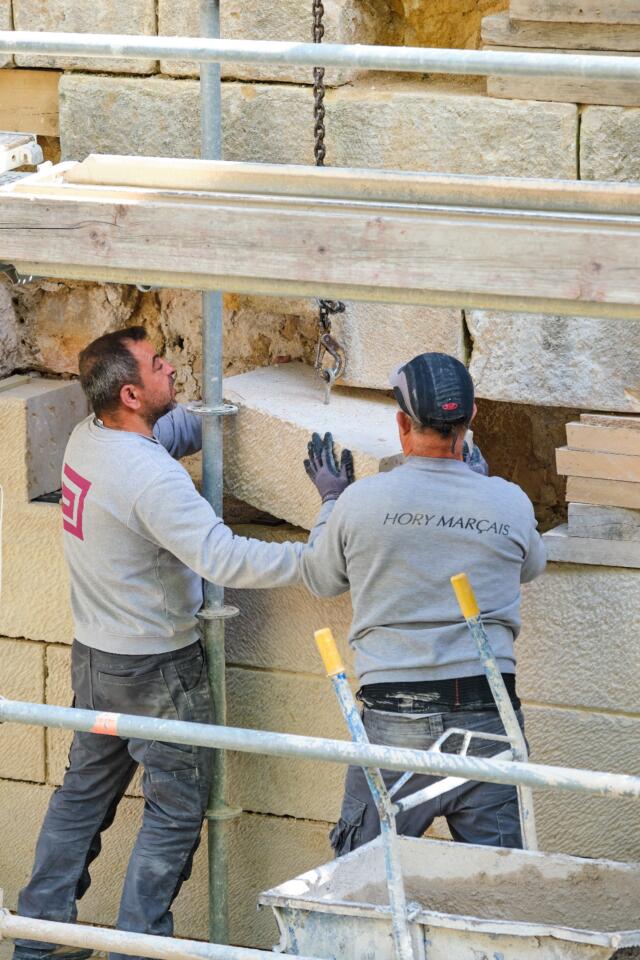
322 469
474 459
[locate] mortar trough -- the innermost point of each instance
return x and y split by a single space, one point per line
465 903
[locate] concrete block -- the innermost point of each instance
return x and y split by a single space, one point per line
81 16
578 646
36 420
288 703
34 602
348 21
264 851
554 361
572 823
610 143
265 444
22 747
378 337
403 125
6 23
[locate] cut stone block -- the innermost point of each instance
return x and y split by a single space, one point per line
563 548
36 420
29 104
22 747
346 21
402 125
598 465
6 23
82 16
609 439
502 31
610 144
9 340
603 523
554 361
377 338
582 825
578 646
576 11
606 493
34 602
266 443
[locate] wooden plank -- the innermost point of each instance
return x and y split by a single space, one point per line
612 421
621 93
599 466
603 523
607 493
603 553
576 11
498 30
583 436
393 252
29 101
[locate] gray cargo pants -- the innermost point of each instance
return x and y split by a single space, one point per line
175 785
484 813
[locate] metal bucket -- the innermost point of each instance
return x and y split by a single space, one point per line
465 903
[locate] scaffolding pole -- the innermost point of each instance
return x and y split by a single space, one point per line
356 56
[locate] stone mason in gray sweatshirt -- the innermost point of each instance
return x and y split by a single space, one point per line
396 538
138 538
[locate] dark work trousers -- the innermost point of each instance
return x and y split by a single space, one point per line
175 785
484 813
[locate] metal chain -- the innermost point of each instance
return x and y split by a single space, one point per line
326 308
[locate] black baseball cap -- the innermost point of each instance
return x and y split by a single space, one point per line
434 388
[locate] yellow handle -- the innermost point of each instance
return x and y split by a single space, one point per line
329 652
466 596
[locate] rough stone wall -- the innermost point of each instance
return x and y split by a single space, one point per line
534 374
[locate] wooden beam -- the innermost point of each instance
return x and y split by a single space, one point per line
576 11
607 493
583 436
29 101
423 251
598 466
620 93
603 553
499 30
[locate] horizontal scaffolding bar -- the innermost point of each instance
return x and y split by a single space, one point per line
314 748
122 941
359 56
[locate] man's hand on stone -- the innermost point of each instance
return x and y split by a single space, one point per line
329 478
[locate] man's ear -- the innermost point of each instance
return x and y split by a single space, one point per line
129 397
404 423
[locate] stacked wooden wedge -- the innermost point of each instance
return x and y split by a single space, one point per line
599 27
602 465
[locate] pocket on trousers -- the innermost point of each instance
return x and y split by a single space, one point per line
145 695
190 671
344 835
178 777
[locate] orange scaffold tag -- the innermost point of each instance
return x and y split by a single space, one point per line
106 723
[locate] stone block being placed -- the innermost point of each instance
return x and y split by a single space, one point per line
554 361
403 125
345 21
34 602
266 443
22 678
82 16
578 645
36 420
610 144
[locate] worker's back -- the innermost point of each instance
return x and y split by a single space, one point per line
396 538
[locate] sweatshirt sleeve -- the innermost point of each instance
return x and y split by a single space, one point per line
323 563
179 432
536 558
172 514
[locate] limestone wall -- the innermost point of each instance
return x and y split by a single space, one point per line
577 655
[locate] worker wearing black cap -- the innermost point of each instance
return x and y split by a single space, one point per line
394 540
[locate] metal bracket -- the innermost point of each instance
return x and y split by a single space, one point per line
227 612
222 410
18 279
223 812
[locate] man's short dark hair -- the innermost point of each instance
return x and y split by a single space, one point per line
106 365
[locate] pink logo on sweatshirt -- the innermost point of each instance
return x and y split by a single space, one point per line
74 492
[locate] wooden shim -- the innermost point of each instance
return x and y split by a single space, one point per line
598 466
604 553
576 11
620 93
304 246
583 436
603 523
29 101
606 493
499 31
612 421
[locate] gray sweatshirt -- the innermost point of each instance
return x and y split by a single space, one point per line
396 538
138 538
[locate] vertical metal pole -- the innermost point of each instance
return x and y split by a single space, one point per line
217 814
